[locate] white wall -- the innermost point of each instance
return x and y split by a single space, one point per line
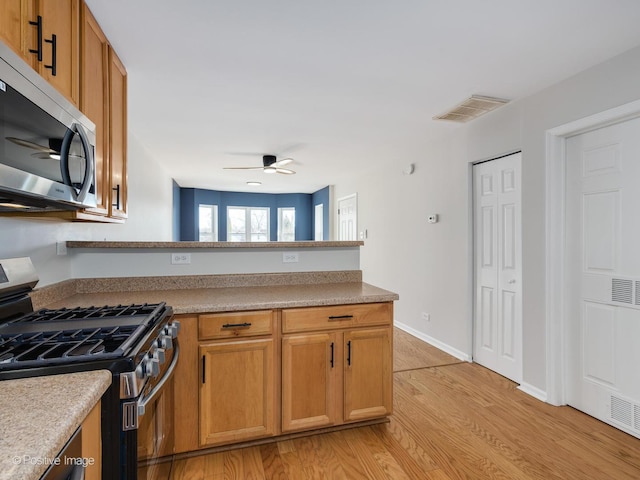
429 265
150 203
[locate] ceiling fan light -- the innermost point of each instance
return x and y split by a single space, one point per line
269 169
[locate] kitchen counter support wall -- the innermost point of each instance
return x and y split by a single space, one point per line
91 260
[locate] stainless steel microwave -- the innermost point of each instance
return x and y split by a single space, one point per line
46 144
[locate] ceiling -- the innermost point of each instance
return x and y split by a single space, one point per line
341 86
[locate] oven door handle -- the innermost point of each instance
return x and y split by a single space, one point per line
142 403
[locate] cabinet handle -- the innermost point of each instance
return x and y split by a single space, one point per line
349 352
38 25
54 49
204 363
333 318
117 190
236 325
331 354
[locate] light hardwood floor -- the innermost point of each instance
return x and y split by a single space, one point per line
452 420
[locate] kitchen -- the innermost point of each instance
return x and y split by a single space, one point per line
598 80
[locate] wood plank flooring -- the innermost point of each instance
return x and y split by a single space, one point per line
452 420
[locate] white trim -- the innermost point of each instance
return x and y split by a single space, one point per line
533 391
554 243
432 341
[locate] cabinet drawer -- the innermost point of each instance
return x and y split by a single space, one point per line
235 324
338 316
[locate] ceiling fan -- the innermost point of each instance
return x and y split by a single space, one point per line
270 164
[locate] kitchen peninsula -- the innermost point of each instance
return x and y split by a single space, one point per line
263 355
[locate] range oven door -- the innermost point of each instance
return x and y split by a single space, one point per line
155 436
147 421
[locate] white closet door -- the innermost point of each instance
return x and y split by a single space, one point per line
498 269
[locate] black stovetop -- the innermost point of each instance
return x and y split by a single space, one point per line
69 336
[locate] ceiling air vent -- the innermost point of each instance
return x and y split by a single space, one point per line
473 107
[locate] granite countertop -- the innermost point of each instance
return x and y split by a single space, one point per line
223 299
38 415
207 245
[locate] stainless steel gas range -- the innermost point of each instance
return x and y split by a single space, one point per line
137 343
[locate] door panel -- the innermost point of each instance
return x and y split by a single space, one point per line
603 273
497 252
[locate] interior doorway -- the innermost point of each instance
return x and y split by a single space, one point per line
348 217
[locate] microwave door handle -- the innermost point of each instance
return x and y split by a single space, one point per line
142 403
88 159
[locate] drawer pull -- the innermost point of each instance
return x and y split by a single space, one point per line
237 325
334 318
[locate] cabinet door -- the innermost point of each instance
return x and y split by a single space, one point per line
310 369
118 135
94 101
62 19
237 391
368 377
15 29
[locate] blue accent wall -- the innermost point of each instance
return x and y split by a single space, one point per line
321 197
192 198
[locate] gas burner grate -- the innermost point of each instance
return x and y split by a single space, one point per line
66 345
87 313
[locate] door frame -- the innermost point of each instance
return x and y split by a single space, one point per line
346 197
472 256
555 166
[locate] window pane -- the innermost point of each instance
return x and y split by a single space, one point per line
236 224
208 223
286 224
259 224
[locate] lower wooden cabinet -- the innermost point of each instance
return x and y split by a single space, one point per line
92 443
335 377
311 373
237 391
245 376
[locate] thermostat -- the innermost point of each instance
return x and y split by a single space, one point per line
433 218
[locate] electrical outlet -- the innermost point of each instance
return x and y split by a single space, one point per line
426 316
289 257
180 258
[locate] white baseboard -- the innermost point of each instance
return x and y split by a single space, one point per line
533 391
523 387
432 341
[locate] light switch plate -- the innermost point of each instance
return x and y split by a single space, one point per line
180 258
289 257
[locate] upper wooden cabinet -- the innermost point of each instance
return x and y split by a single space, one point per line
117 136
61 46
104 100
46 35
15 29
94 101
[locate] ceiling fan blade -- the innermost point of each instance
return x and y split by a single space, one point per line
284 161
242 168
285 171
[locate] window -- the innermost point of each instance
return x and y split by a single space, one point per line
208 223
287 224
247 224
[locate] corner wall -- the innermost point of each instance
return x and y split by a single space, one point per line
430 265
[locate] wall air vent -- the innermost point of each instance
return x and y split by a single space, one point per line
622 290
472 108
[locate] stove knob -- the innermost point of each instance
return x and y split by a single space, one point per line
152 367
158 354
172 329
164 341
